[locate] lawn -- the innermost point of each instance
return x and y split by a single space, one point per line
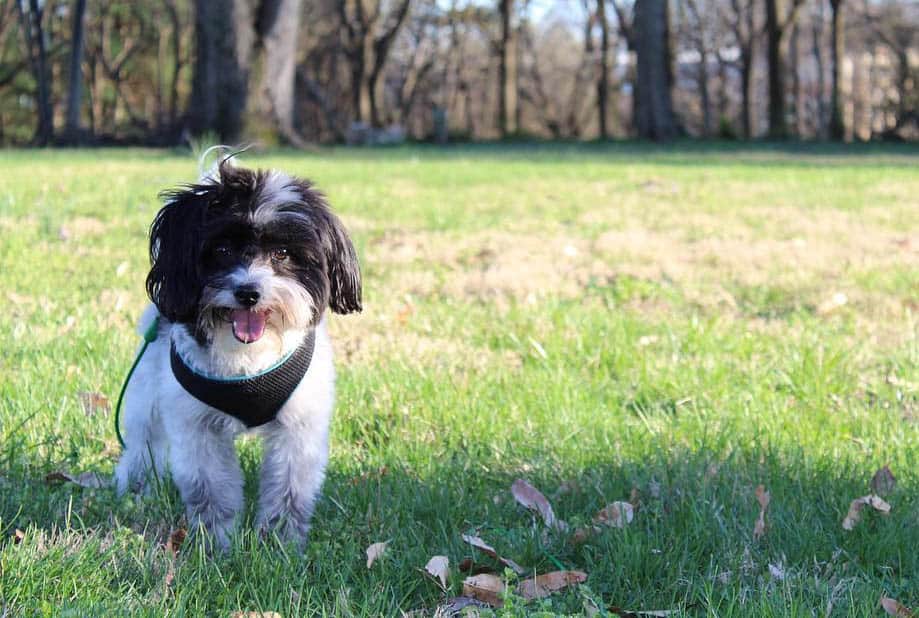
673 327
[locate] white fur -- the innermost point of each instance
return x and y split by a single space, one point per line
166 428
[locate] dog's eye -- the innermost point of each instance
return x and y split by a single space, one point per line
222 250
279 255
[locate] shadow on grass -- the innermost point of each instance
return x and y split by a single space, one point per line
691 544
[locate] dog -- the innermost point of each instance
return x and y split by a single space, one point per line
244 265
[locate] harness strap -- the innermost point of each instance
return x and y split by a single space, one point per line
254 400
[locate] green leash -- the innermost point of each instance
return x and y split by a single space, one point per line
149 337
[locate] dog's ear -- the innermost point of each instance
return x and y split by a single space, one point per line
343 268
174 281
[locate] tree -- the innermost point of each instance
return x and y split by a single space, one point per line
34 35
837 50
653 109
742 25
368 37
75 88
507 71
220 84
778 21
603 80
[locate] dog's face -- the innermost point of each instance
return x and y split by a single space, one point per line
252 252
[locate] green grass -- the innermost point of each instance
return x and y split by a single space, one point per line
595 319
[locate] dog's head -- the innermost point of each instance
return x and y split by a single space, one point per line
251 251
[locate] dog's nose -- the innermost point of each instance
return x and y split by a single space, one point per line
247 296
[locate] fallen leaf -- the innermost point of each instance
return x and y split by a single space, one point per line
439 568
90 480
582 534
375 551
532 498
763 497
18 536
486 588
175 540
488 549
883 481
854 514
94 402
547 583
617 515
895 608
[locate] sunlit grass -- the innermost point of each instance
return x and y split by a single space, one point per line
594 319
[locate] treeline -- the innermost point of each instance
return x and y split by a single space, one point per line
315 71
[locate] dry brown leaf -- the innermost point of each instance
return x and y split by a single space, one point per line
883 482
855 508
488 549
895 608
763 497
617 515
532 498
90 480
175 540
486 588
91 403
547 583
580 535
375 551
439 568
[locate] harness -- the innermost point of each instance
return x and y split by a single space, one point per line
254 400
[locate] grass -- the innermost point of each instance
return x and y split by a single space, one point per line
595 319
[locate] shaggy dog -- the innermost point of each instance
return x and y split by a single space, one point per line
244 265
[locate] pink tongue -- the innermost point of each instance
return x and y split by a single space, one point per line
248 326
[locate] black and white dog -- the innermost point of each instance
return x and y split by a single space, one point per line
244 266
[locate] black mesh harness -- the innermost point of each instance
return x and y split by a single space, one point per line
255 399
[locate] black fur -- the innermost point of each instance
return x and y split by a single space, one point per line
205 230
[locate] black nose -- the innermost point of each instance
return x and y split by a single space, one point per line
247 296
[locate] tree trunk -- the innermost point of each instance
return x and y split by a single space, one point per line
820 121
796 99
603 82
34 35
278 25
75 87
653 110
224 38
777 125
507 72
746 90
837 53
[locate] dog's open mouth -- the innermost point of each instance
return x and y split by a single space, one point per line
248 326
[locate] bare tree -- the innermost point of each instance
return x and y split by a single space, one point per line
507 71
653 110
368 34
75 88
603 80
778 21
33 32
837 50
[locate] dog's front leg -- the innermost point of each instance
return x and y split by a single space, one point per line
206 470
292 473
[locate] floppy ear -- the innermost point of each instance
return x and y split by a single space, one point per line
174 282
342 267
